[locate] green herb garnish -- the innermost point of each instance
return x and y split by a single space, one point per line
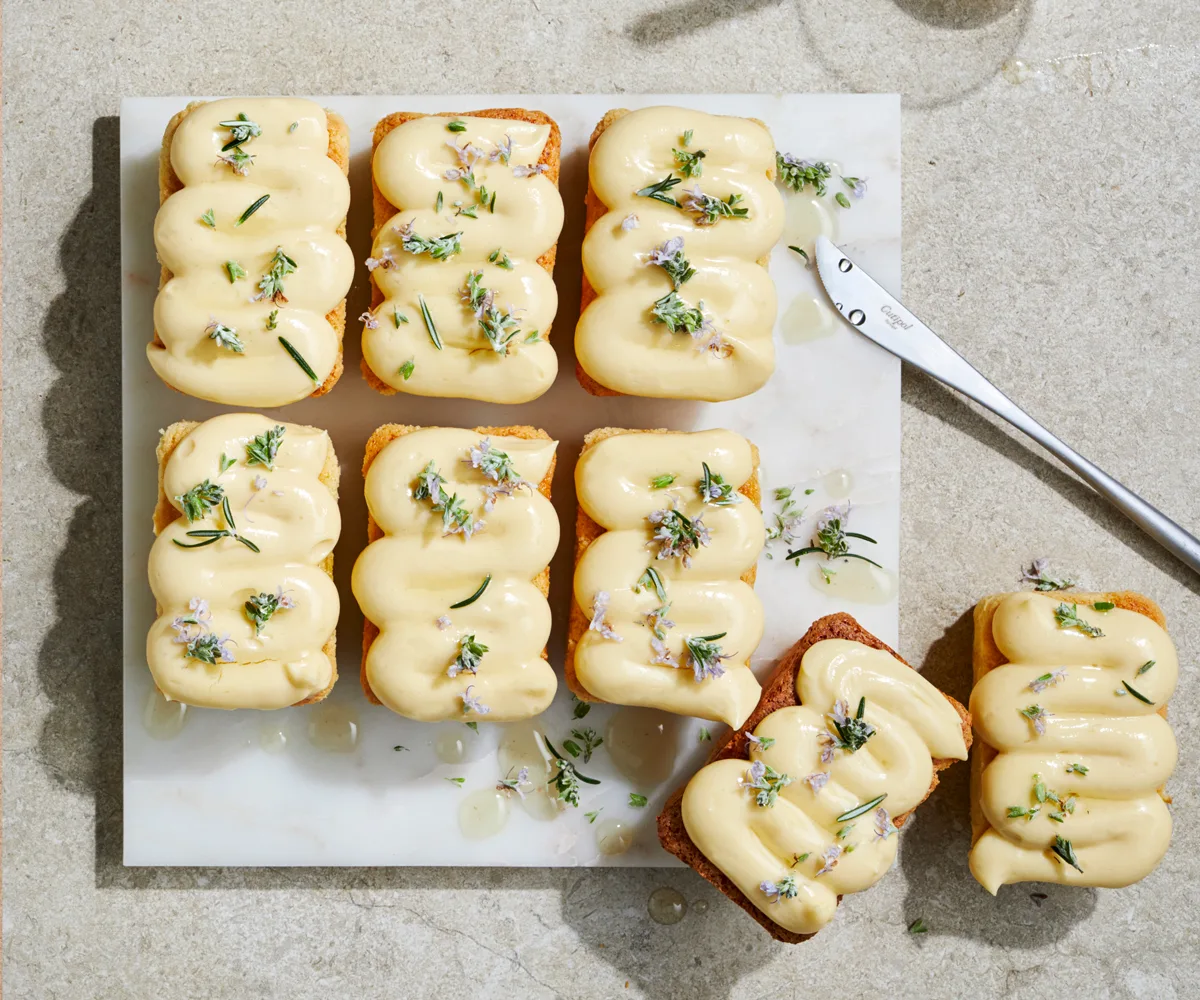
581 708
209 219
658 190
271 285
1062 849
261 607
918 926
704 735
841 199
299 359
651 579
457 781
501 259
436 247
240 130
1103 605
429 325
566 780
676 314
637 801
406 369
591 816
201 498
234 270
1067 616
225 336
1144 667
475 596
714 490
273 319
689 164
224 464
860 810
663 481
263 449
254 207
795 173
1136 693
456 126
803 253
211 535
1080 769
849 734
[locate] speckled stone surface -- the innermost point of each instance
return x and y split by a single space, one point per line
1051 234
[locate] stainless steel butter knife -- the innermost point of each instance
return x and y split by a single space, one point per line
877 315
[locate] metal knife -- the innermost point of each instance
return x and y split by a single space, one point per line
878 316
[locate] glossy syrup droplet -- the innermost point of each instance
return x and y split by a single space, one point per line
613 837
333 727
454 743
700 906
642 743
854 580
667 906
483 813
163 719
807 318
838 484
272 737
805 218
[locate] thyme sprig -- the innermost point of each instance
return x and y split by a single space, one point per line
225 336
786 519
1063 851
200 499
271 284
261 607
688 163
263 449
677 315
501 259
766 781
589 741
435 247
456 519
709 209
1038 575
785 888
566 780
1067 616
651 579
669 256
469 656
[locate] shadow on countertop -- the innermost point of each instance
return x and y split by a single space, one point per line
79 663
933 850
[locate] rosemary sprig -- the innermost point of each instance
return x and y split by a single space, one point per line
651 579
1144 667
658 190
860 810
566 780
705 655
850 734
254 207
714 490
1136 693
475 596
240 130
831 536
470 655
435 247
211 535
299 359
428 318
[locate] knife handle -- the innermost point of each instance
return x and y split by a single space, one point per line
952 368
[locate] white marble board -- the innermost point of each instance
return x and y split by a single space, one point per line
251 788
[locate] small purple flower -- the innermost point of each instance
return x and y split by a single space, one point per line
384 260
884 827
828 743
529 170
503 150
830 857
760 742
1039 684
1038 716
756 772
443 623
817 780
629 222
599 612
259 482
371 322
859 186
785 888
665 252
467 156
662 655
472 704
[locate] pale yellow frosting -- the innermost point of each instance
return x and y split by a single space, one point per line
406 581
613 482
309 196
293 519
617 341
801 833
1117 824
410 167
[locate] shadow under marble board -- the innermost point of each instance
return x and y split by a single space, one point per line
326 784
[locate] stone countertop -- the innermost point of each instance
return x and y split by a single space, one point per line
1050 215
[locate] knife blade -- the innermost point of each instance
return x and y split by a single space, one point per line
864 304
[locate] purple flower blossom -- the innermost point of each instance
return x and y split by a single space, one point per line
384 260
629 222
371 322
665 252
831 856
662 655
884 827
1038 716
785 888
443 623
467 155
817 780
1039 684
599 611
472 704
259 482
530 170
859 187
503 150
